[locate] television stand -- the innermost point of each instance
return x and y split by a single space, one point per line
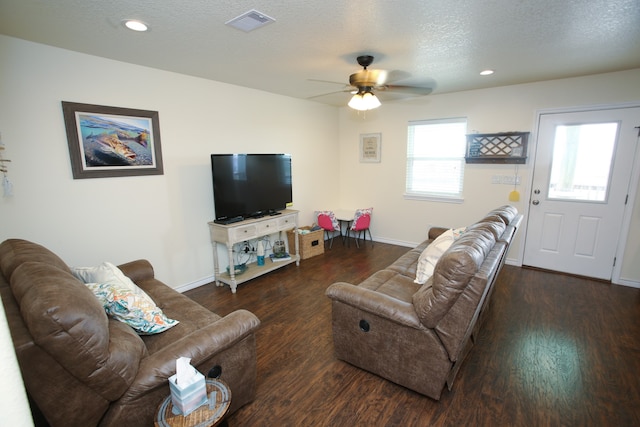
249 229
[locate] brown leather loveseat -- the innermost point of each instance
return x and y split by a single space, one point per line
417 335
83 368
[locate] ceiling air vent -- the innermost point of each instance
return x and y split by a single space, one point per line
250 20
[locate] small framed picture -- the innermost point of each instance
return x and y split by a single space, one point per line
370 147
112 141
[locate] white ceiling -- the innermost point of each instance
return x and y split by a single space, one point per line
443 44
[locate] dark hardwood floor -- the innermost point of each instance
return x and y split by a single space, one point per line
554 350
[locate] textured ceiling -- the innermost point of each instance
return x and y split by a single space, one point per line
443 44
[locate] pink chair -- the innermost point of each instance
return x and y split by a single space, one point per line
361 223
329 223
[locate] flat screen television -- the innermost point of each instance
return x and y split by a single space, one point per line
250 185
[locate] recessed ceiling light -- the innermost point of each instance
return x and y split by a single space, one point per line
135 25
486 72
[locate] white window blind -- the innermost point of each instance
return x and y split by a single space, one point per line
435 158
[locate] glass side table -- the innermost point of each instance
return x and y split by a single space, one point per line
208 415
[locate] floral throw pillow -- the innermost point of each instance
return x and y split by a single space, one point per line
360 213
332 218
123 300
458 232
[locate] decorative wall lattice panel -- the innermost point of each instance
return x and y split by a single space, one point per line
505 147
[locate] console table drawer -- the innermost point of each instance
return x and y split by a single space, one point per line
244 232
267 227
287 222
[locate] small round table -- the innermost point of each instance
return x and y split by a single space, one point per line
208 415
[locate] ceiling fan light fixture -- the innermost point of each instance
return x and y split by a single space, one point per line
363 101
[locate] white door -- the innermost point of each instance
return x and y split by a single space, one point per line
582 170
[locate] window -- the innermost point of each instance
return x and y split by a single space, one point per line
435 159
582 162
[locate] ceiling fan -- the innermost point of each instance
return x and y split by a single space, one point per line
365 83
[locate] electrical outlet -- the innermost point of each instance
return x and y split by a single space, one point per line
496 179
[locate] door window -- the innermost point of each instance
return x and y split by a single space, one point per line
582 162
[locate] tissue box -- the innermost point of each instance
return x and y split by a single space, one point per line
189 398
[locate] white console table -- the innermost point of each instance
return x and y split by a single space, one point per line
249 229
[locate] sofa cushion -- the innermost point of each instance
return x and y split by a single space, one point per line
123 300
391 283
452 274
408 262
67 321
193 317
430 256
14 252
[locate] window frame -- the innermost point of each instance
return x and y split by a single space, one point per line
457 197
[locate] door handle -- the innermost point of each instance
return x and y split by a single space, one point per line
535 202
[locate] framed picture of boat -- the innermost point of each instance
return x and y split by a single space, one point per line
112 141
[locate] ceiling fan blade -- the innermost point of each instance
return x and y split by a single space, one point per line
326 81
332 93
397 75
409 90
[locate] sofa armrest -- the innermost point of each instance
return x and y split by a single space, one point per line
376 303
434 232
200 345
137 270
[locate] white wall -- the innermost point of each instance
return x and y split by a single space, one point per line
164 218
161 218
509 108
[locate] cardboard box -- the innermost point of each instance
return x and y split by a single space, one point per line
311 244
189 398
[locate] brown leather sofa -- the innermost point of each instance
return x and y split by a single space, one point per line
83 368
418 335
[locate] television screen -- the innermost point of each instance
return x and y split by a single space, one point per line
250 185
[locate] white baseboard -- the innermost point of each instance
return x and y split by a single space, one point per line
397 242
188 286
513 261
627 282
